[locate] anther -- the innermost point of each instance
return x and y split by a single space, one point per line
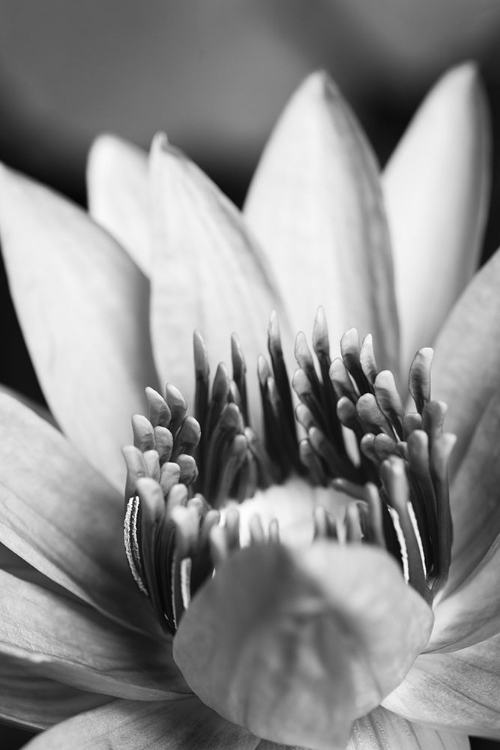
419 380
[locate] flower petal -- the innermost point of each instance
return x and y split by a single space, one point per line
117 185
82 304
383 730
70 642
62 517
458 691
294 645
436 187
467 360
208 273
126 725
315 203
474 497
471 613
29 402
30 700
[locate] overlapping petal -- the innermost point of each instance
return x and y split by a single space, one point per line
383 730
118 195
62 517
458 690
315 203
295 644
467 359
436 189
70 642
126 725
37 702
209 274
83 308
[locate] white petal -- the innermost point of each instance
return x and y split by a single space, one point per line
83 307
117 185
436 187
383 730
315 203
208 274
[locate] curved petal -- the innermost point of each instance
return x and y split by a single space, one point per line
467 360
82 305
62 517
329 628
383 730
118 197
126 725
32 701
458 691
436 188
70 642
30 403
315 203
471 613
474 497
208 273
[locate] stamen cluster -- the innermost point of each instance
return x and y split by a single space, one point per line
356 437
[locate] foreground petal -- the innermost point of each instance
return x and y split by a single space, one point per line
383 730
458 691
208 273
295 644
117 185
62 517
30 403
436 187
315 204
467 360
175 725
83 308
70 642
30 700
471 613
474 497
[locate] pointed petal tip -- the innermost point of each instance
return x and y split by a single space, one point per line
317 86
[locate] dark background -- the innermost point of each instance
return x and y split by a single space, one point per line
215 74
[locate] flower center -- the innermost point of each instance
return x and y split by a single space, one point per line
364 470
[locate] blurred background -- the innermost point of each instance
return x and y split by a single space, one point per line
215 75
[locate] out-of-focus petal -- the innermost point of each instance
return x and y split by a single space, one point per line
62 517
70 642
29 402
83 308
474 497
30 700
330 629
458 691
467 360
383 730
315 203
471 613
436 187
208 273
117 185
126 725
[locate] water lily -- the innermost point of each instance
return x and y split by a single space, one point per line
320 643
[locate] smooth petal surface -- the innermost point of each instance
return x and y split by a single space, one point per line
457 690
70 642
118 193
467 360
474 497
315 204
294 645
29 402
471 613
436 188
62 517
208 274
83 308
124 725
30 700
383 730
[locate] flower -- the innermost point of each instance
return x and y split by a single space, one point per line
76 627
